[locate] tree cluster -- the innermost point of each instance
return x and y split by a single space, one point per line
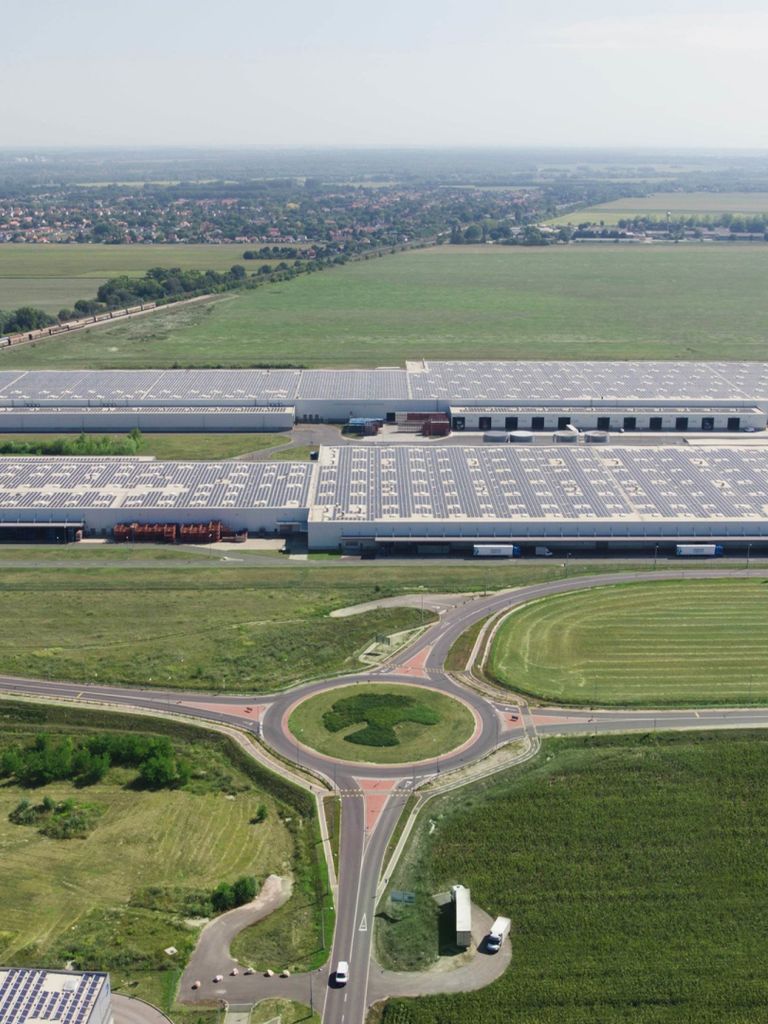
86 761
226 896
163 284
25 318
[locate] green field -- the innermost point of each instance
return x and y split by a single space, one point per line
632 869
161 616
208 447
52 277
203 629
415 741
492 302
117 898
677 203
675 642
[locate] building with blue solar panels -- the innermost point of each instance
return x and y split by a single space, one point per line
31 995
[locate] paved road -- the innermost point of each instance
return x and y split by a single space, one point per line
135 1011
212 956
364 845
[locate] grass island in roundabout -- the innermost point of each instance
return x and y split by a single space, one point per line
382 723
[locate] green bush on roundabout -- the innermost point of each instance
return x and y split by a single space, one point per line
381 712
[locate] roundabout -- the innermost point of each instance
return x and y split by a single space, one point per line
378 799
382 723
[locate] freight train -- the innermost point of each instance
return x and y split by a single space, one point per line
71 325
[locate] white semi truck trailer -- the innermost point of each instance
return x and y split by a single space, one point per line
463 907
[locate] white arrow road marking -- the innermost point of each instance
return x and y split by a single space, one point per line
363 924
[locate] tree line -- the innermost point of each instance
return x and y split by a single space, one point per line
86 761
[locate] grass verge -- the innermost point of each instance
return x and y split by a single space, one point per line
332 805
458 655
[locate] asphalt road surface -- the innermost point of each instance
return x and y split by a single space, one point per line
365 835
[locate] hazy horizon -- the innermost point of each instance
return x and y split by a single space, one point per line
680 75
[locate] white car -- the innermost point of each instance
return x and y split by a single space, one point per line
342 972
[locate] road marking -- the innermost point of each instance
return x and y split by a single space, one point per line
363 924
697 714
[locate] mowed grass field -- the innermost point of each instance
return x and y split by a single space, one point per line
456 302
676 642
59 895
632 869
416 742
678 203
52 277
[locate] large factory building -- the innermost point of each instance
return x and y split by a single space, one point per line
476 396
409 498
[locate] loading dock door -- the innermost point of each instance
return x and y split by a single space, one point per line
484 423
630 422
603 422
655 423
681 423
734 422
537 422
459 423
510 423
563 422
707 422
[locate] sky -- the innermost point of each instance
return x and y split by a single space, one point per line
608 73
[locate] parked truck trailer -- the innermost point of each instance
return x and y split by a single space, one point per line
699 550
496 551
463 907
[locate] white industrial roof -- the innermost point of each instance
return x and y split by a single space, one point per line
217 387
32 995
358 484
548 382
455 382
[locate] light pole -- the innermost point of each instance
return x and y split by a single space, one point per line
655 554
749 550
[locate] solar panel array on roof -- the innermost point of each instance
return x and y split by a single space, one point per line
473 483
36 483
451 383
31 994
217 387
353 385
548 382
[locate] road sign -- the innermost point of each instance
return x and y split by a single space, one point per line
402 897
